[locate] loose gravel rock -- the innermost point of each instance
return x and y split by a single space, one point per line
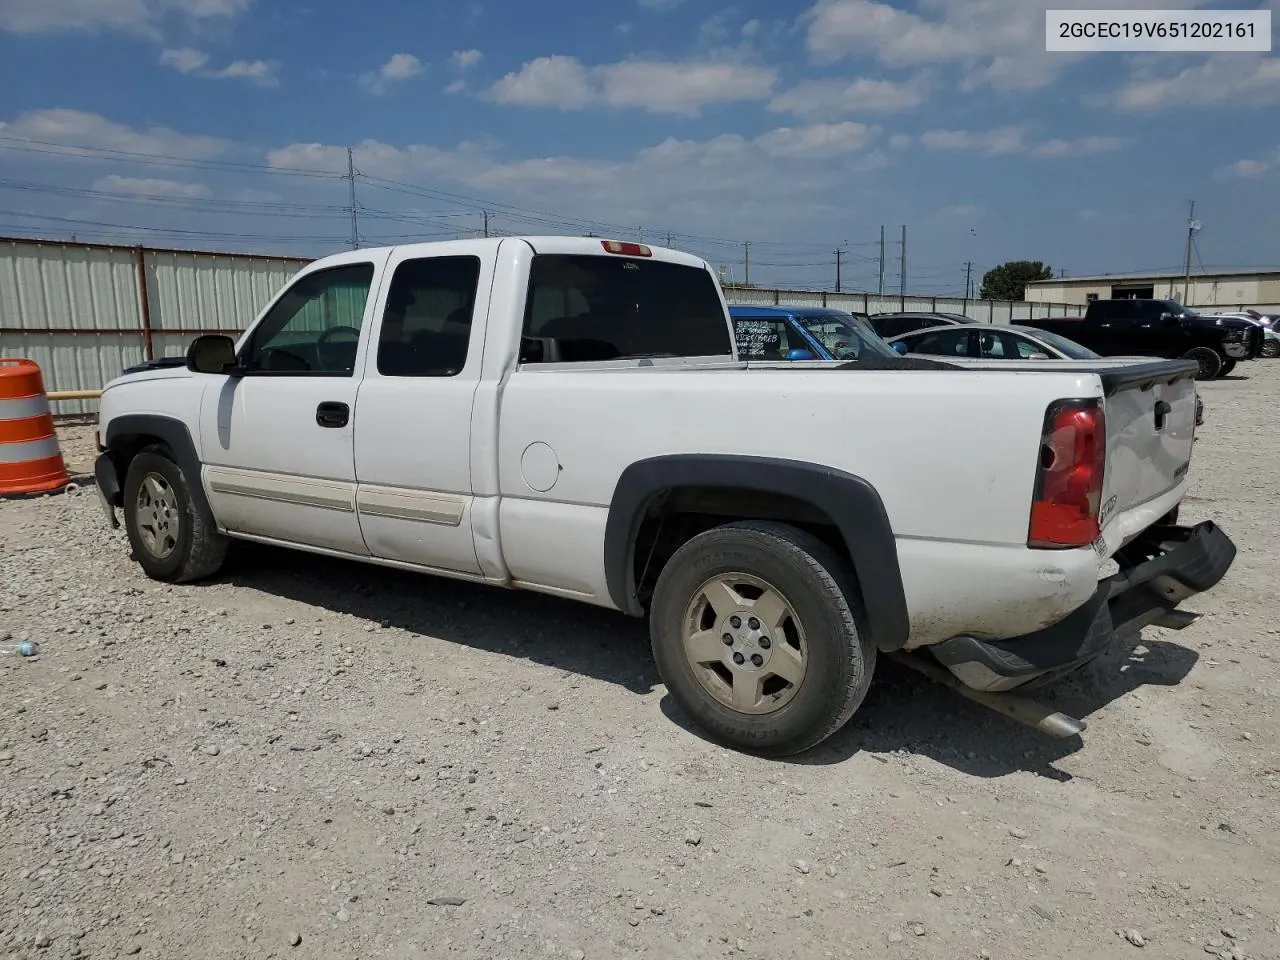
117 824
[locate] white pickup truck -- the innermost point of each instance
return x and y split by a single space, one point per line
569 415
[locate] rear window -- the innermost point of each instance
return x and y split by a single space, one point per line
581 308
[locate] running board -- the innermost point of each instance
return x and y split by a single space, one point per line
1036 715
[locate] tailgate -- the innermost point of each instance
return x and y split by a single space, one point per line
1151 414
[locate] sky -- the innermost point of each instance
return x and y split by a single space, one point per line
798 128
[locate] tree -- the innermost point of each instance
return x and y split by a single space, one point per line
1009 280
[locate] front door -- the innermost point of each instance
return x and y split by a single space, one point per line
278 441
413 421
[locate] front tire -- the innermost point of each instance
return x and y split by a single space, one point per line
755 632
1270 349
1209 361
171 540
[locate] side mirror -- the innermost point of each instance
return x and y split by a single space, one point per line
899 347
211 353
1169 319
1039 356
799 353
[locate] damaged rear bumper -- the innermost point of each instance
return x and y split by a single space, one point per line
1159 570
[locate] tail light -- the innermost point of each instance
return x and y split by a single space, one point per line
1068 490
626 248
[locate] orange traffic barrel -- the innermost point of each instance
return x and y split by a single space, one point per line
30 459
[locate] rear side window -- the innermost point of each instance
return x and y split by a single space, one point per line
426 326
581 308
764 338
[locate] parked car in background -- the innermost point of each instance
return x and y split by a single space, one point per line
803 333
894 324
992 341
1160 328
1267 324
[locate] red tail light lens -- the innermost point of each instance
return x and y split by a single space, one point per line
625 248
1068 490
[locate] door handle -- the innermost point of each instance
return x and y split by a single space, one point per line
331 413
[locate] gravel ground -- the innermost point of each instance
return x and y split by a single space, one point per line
308 758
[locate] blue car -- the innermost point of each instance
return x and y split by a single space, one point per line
804 333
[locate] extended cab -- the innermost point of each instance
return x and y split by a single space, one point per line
1160 328
570 416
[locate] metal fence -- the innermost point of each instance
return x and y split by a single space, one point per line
984 311
85 311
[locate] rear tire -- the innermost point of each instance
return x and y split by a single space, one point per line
171 540
1227 367
1270 349
1210 362
797 667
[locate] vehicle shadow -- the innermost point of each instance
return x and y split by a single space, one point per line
587 640
905 711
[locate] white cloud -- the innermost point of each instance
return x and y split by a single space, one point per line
194 62
1080 147
80 129
1011 139
660 4
455 87
554 81
819 140
399 67
184 60
996 43
963 211
825 98
1243 170
1000 140
151 186
680 88
466 59
1233 79
39 16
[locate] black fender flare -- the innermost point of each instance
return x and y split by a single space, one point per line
173 433
850 501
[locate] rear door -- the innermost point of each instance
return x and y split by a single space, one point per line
413 415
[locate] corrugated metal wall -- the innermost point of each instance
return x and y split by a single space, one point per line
77 309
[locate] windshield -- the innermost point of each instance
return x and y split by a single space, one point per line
845 336
1067 347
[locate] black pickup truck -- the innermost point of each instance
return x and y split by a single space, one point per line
1160 328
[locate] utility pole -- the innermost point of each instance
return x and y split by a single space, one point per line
1192 226
968 272
486 222
355 219
641 229
669 240
839 254
882 260
904 263
746 263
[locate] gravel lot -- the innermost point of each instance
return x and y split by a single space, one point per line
308 758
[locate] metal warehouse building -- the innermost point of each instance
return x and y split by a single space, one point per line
1216 290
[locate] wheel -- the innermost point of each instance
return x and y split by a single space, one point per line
1270 349
755 632
1227 367
1210 362
170 540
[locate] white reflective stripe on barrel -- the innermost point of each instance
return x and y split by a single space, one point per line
24 407
29 450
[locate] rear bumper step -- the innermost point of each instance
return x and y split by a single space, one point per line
1159 570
